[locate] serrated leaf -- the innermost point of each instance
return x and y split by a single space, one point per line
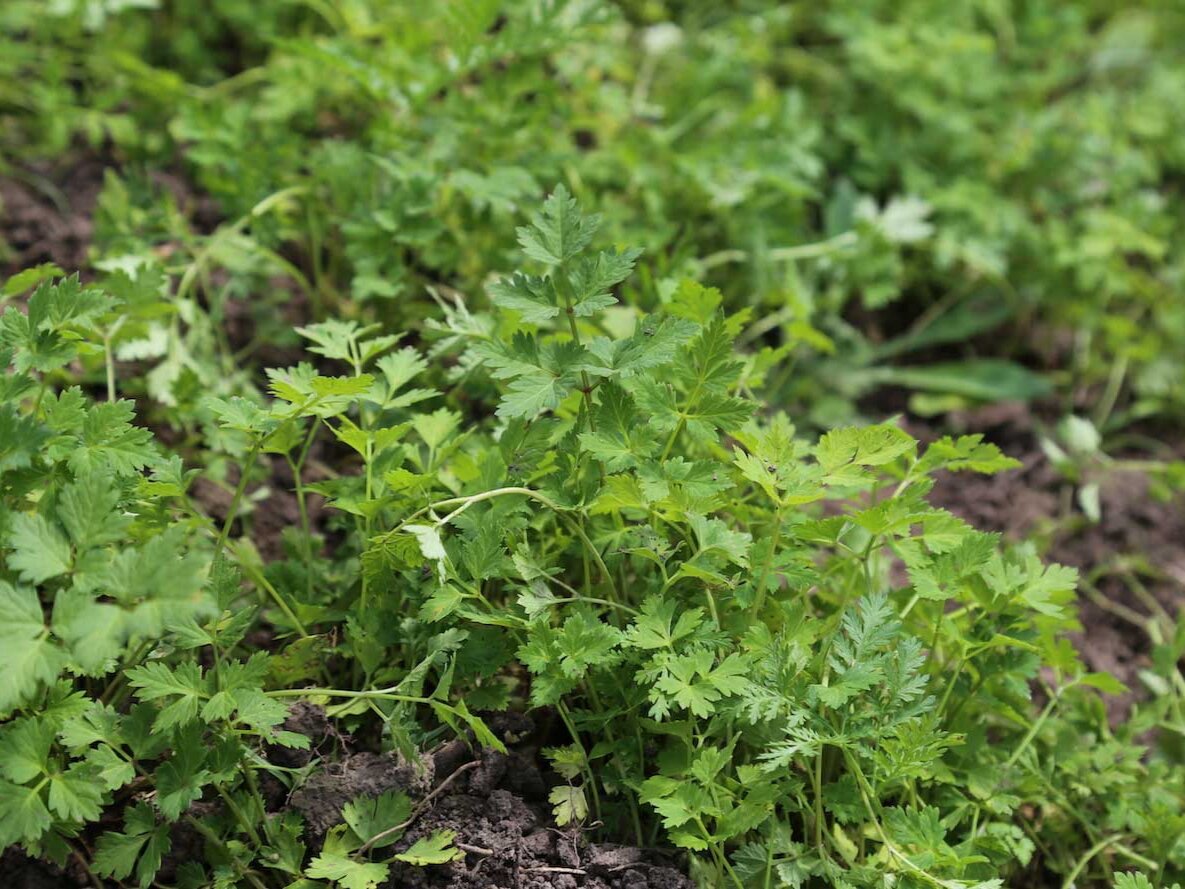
74 795
559 231
24 749
87 509
532 297
862 446
23 815
116 854
346 872
370 816
155 681
437 848
568 804
39 550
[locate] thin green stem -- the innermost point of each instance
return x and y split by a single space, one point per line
240 489
109 358
569 311
1037 725
256 577
244 821
1090 853
901 858
813 250
817 787
759 598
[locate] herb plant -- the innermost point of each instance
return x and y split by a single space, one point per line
612 471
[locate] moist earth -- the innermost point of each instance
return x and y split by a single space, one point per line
47 215
497 811
496 806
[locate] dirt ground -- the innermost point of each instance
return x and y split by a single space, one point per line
47 215
495 803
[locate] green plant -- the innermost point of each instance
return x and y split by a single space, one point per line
765 649
754 149
796 708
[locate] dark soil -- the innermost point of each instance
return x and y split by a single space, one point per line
270 516
46 215
18 871
321 798
499 814
495 804
1137 533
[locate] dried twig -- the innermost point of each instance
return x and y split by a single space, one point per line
474 850
419 809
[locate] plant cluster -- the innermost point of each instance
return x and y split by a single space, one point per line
622 470
760 646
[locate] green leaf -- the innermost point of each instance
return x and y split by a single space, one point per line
559 232
591 278
23 815
1104 682
655 342
346 872
652 628
437 848
113 770
30 277
691 682
39 550
24 750
181 779
116 854
75 795
709 364
568 804
155 681
20 612
620 440
30 657
88 510
109 443
532 394
842 453
370 816
986 379
21 437
532 297
965 452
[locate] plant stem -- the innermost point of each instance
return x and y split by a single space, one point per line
1090 853
259 580
1038 723
590 778
759 599
818 792
240 490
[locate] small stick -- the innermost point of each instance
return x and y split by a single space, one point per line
474 850
419 809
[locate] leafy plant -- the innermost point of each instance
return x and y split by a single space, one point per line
762 646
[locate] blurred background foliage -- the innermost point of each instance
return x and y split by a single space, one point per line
970 201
